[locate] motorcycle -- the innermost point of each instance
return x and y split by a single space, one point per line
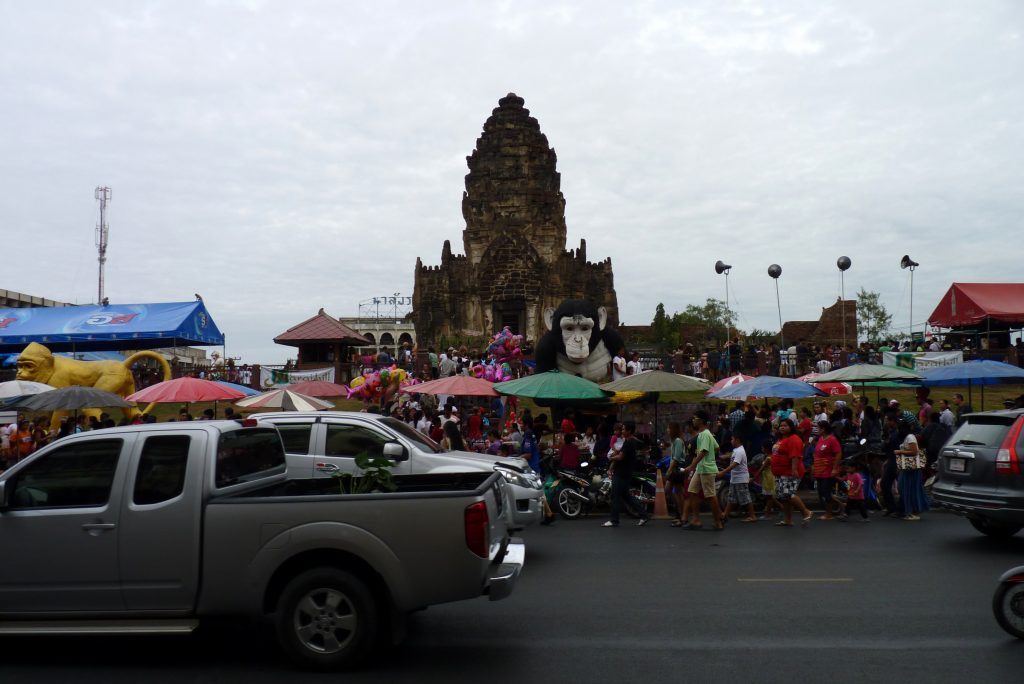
1008 602
574 493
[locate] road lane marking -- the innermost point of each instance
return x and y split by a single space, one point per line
794 579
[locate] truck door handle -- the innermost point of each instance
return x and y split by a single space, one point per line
326 467
96 529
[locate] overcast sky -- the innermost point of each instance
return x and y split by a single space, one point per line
279 157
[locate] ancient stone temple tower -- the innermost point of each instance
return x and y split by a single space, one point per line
515 261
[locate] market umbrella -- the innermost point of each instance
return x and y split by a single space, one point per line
728 382
16 389
656 382
830 388
768 386
186 391
319 388
552 385
247 391
73 398
455 385
868 372
981 372
286 400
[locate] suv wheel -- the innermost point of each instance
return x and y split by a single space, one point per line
994 529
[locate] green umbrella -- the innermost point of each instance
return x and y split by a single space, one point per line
551 385
656 381
865 372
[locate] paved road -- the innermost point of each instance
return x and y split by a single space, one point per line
886 601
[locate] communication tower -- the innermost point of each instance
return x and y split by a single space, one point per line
102 233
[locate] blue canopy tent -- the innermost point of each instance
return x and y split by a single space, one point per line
107 328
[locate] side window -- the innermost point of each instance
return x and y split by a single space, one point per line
75 476
295 437
351 441
162 466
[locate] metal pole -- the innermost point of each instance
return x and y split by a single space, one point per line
842 302
911 309
782 340
728 327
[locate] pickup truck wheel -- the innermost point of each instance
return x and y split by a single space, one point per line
1000 531
326 619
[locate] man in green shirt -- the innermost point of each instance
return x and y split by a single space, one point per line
432 356
705 468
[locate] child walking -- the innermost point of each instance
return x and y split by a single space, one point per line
739 481
854 493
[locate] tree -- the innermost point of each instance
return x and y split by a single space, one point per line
662 328
713 317
873 320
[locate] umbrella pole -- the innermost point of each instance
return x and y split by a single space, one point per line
982 397
970 394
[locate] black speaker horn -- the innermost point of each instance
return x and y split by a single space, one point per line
774 270
907 262
844 263
721 267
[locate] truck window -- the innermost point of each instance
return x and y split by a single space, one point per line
75 476
161 474
351 441
248 454
413 435
295 437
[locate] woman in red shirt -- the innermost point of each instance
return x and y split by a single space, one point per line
787 467
827 455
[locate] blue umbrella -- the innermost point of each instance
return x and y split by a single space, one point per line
768 386
247 391
981 372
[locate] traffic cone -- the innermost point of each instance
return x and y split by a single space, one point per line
660 505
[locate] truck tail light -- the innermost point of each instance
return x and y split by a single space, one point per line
478 529
1007 461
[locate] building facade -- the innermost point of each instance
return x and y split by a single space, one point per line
515 263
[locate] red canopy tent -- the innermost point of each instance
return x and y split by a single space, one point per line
968 304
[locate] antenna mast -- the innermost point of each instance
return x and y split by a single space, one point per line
102 233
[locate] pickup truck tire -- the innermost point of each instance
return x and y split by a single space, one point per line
327 619
992 529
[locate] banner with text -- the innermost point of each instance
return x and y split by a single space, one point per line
922 360
273 377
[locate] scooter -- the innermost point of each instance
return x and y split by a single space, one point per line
573 493
1008 602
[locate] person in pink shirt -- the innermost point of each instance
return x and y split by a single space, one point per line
827 453
854 494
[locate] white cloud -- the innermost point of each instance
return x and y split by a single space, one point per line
282 157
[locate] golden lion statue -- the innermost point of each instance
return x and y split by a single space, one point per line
38 364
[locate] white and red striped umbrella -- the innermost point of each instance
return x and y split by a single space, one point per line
285 400
830 388
729 382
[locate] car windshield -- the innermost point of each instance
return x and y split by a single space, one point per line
413 435
988 431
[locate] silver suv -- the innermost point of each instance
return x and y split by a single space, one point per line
980 472
325 443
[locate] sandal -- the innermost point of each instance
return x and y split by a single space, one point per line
749 520
677 523
783 523
806 520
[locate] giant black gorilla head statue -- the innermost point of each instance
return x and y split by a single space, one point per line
578 341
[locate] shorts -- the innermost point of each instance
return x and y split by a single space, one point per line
785 487
704 483
824 488
739 494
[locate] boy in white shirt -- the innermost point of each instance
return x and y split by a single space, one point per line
739 481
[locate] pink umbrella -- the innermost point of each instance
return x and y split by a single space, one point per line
456 385
319 388
830 388
729 382
185 390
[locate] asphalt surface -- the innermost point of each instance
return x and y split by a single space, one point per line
886 601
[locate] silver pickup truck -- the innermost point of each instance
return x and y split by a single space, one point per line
325 443
152 528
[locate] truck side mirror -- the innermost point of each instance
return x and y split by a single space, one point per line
396 452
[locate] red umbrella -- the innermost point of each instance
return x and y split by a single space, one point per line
830 388
185 390
318 388
456 385
729 382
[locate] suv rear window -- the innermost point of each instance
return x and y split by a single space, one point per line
248 454
987 431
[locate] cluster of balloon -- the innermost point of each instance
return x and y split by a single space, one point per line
373 386
492 371
505 346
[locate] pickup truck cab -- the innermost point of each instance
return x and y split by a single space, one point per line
152 528
324 443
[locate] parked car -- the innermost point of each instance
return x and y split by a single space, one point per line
153 528
980 472
325 443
